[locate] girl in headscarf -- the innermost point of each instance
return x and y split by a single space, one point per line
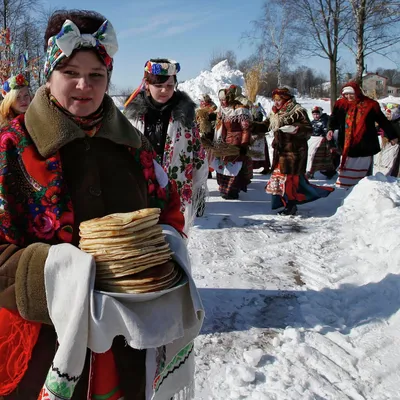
16 98
354 116
292 129
166 117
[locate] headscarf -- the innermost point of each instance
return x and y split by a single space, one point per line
62 45
205 101
169 68
281 93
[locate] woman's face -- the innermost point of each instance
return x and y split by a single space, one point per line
350 97
162 92
80 83
22 102
278 102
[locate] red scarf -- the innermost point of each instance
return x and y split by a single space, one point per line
356 114
90 124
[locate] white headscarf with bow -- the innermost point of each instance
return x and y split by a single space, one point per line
104 40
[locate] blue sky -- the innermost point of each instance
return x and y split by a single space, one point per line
188 31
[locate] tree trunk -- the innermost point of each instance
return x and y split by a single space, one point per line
333 76
360 30
278 67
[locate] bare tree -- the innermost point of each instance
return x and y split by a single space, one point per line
374 29
218 56
21 28
323 24
274 37
393 75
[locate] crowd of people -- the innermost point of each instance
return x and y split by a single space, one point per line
69 155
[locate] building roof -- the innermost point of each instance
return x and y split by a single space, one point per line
369 74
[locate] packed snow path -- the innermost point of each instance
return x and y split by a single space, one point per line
301 307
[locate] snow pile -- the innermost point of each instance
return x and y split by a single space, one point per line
119 101
210 82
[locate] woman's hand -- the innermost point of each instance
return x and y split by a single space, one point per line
394 141
329 135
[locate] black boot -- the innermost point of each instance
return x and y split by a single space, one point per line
329 173
209 175
230 196
290 209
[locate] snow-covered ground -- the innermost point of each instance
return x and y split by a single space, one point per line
303 307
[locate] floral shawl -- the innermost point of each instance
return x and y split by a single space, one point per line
185 162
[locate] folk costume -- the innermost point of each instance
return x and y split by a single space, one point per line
357 140
320 157
172 130
292 129
234 173
55 172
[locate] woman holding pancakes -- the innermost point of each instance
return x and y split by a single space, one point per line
70 159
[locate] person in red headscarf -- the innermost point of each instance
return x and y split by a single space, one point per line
288 184
354 116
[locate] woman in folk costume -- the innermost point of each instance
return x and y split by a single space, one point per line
234 173
16 98
319 149
355 115
72 157
166 117
387 161
292 129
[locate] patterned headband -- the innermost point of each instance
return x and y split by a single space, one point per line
165 68
104 41
15 82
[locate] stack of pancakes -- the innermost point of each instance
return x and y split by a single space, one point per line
130 251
